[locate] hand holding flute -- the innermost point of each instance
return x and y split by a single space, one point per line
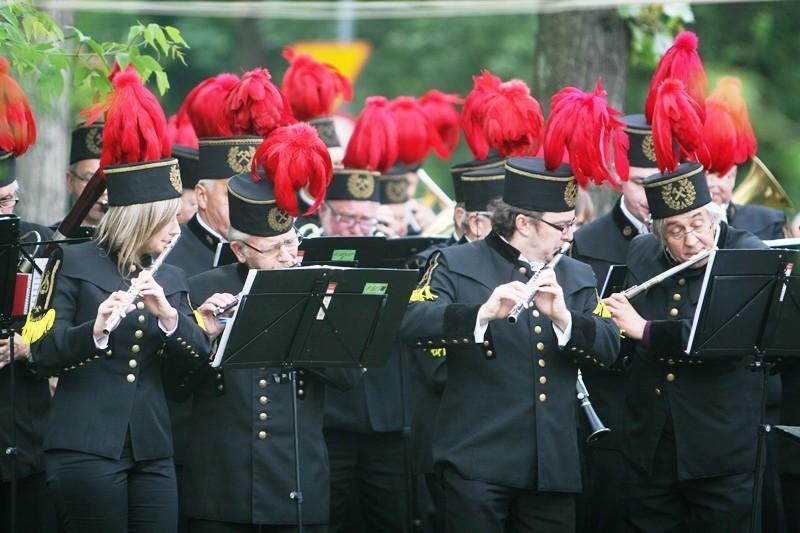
215 309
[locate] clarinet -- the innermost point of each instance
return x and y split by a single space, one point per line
118 313
596 427
532 284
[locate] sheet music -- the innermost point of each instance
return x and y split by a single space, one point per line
699 308
226 333
33 285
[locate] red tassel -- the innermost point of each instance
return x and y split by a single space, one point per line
136 128
416 134
441 111
203 105
513 120
294 157
681 62
677 117
729 91
473 113
312 87
180 131
585 126
374 142
255 106
17 126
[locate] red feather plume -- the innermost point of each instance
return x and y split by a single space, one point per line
677 118
416 134
312 86
17 126
681 62
180 131
474 110
729 91
136 128
255 106
513 121
374 142
203 105
294 157
441 111
583 125
719 134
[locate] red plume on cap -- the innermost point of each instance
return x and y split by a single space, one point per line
585 126
677 118
683 63
294 157
416 134
472 114
441 111
719 134
311 86
373 144
729 91
17 127
513 120
203 105
136 128
180 131
255 106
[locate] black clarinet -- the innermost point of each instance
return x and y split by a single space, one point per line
596 427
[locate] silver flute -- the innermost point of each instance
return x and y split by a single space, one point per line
533 285
119 312
655 280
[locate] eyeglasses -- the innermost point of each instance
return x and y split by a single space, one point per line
85 178
349 221
6 203
292 242
562 228
698 231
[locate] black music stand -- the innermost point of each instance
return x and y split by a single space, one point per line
9 255
615 280
398 251
749 306
315 317
352 251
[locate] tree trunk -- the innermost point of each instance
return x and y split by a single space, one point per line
41 170
574 49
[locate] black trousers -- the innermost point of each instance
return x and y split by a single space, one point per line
487 507
210 526
369 483
601 492
35 512
97 494
661 502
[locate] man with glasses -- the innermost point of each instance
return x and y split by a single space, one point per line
240 460
505 441
84 160
31 404
689 427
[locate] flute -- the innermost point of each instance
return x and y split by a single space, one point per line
119 312
219 310
523 303
655 280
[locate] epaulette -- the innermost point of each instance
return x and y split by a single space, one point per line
41 317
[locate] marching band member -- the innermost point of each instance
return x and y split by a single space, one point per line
108 447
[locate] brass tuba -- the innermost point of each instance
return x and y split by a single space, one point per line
760 187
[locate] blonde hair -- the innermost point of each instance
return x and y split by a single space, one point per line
126 229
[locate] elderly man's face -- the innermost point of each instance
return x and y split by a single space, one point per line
689 234
721 187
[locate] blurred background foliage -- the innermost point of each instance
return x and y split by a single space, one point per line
756 41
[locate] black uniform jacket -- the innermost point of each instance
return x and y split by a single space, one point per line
31 400
714 404
103 396
196 249
763 222
240 461
508 412
600 244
